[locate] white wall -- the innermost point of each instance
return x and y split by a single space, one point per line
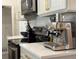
16 13
6 26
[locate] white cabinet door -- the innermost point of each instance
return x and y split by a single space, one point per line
46 6
24 54
58 5
50 7
65 57
41 6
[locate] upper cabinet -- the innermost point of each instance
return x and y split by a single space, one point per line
49 7
6 2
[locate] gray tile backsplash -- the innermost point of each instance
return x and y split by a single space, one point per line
42 21
37 21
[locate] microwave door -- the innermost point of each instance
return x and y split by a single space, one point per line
28 6
29 2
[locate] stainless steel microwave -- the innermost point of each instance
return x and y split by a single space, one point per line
28 6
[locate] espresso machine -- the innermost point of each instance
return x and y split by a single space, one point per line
60 36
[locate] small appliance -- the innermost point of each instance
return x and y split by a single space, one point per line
60 37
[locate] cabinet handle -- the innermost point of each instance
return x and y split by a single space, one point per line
27 57
47 4
23 56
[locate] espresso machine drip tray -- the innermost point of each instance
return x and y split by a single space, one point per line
54 46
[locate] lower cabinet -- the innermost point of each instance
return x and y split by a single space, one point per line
24 54
65 57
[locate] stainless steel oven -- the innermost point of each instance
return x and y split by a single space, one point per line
28 6
14 49
13 53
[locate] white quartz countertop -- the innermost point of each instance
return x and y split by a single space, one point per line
40 51
15 37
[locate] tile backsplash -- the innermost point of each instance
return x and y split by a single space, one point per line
42 21
38 21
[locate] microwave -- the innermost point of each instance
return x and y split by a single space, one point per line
28 6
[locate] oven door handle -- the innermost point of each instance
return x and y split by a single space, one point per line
12 48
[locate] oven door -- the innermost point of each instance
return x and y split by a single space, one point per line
13 53
28 6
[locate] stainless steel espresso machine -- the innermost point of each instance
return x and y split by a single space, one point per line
60 36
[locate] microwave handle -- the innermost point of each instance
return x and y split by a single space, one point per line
29 3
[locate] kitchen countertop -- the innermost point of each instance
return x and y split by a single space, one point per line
15 37
40 51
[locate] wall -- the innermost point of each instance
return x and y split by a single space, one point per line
16 13
6 26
